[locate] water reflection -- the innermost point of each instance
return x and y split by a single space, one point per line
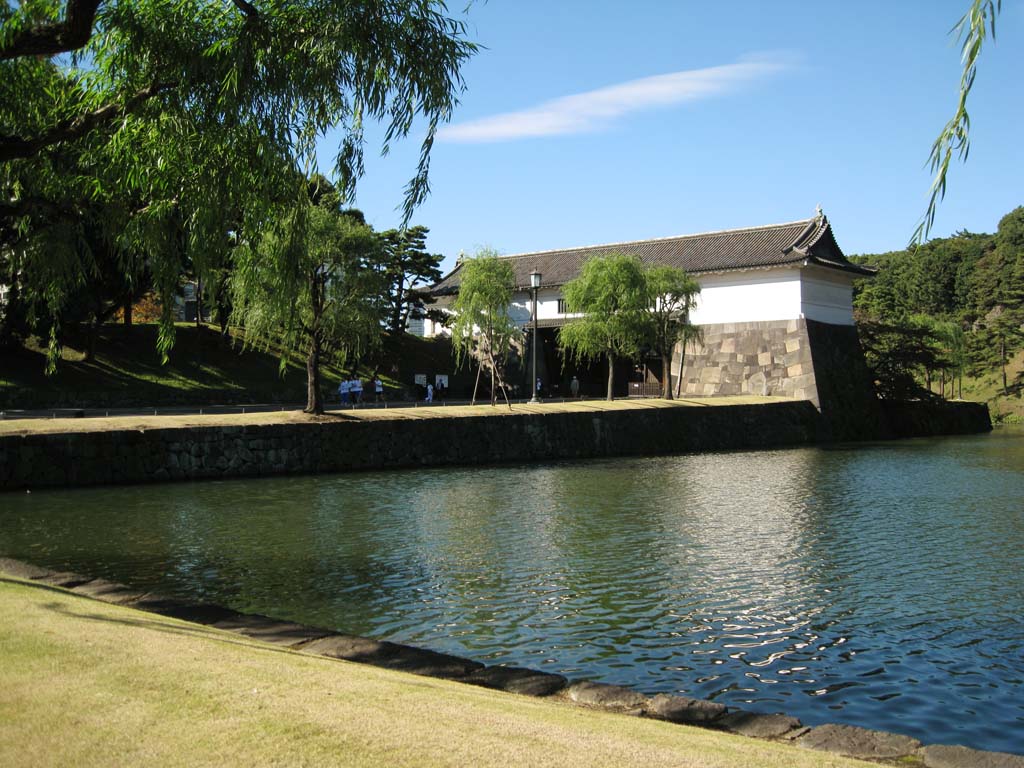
873 585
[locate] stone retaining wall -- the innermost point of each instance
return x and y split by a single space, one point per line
339 445
155 455
756 358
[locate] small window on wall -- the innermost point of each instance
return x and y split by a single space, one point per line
561 307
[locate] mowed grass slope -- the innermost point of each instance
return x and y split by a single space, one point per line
204 368
84 683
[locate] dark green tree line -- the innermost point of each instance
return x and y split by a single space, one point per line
951 304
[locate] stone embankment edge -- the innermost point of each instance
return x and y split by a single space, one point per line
71 459
844 740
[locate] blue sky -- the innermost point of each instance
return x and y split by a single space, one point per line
590 122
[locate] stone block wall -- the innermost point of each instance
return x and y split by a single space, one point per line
757 358
192 453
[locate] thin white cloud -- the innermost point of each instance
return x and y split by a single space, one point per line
593 110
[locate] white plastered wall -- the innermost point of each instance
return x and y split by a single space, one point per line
746 297
826 296
786 293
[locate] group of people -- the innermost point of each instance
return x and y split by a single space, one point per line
351 390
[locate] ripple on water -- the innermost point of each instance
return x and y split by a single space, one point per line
877 586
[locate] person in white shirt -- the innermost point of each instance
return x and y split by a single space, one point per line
430 393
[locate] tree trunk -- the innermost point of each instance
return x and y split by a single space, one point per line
476 383
90 340
494 392
314 397
666 374
1002 362
199 302
611 376
128 311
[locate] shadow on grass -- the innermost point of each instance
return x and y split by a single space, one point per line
188 628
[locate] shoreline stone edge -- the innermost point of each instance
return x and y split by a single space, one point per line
167 454
845 740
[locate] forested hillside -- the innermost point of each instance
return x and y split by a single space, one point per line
947 319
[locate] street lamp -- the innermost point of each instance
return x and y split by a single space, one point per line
534 284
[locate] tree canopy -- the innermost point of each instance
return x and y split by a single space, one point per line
951 303
408 266
672 296
307 283
482 328
612 294
188 120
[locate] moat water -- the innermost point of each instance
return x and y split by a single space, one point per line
877 585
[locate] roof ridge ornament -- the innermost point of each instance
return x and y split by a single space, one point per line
818 212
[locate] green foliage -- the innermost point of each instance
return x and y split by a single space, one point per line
896 353
482 328
189 118
967 291
612 294
407 265
309 283
971 30
672 295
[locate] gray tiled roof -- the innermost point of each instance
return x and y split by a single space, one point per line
751 248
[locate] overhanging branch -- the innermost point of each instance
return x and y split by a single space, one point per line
247 8
17 147
59 37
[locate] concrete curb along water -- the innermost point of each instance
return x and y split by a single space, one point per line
845 740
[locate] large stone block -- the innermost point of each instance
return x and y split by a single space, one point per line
604 695
711 375
851 741
679 709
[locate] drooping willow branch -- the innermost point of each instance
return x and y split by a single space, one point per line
972 28
16 147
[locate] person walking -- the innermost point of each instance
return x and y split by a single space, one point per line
343 389
574 387
430 393
357 390
378 389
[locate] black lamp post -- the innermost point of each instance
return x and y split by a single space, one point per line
534 284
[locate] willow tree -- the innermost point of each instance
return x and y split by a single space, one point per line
309 284
611 294
192 116
977 24
482 329
672 295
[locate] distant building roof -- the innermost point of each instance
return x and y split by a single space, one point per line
774 245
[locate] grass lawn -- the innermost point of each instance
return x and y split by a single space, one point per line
405 411
204 368
84 683
988 388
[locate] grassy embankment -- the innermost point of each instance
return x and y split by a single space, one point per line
85 683
987 388
203 369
